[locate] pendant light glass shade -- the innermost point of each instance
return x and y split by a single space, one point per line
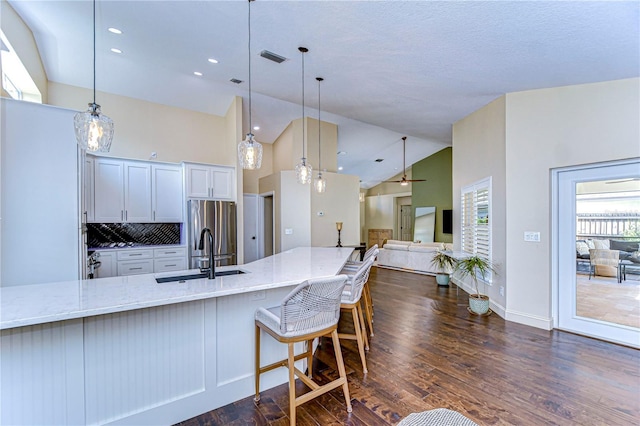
94 130
250 150
320 184
250 153
304 171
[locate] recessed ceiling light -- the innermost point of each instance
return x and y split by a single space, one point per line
342 153
256 127
213 61
114 50
340 168
379 160
199 74
114 30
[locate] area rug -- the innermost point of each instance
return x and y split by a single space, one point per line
437 417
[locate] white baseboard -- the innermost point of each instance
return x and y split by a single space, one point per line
530 320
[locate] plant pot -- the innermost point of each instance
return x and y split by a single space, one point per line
479 304
443 279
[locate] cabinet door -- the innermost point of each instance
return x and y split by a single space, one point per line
137 192
109 191
167 198
222 183
108 265
88 183
198 181
135 267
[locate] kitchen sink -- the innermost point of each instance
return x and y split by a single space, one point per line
183 278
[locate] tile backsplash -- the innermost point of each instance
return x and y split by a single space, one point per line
100 235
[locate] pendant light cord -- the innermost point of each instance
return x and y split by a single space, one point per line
303 131
319 130
94 52
249 48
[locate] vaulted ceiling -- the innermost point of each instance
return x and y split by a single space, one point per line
391 68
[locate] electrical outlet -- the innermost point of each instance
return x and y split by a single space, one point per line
501 290
258 295
288 231
532 236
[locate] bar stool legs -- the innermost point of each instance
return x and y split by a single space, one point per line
359 336
368 306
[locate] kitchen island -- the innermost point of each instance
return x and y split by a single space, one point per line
128 350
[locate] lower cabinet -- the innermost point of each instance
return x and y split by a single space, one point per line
116 263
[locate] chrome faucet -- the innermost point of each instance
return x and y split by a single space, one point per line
212 265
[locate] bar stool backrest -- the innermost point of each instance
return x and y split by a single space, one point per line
357 282
312 306
372 252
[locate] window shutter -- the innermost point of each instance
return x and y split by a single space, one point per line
476 220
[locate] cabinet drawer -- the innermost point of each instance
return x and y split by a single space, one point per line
169 252
134 267
170 264
135 254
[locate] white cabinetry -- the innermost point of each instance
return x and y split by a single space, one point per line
88 185
136 192
108 264
166 185
135 261
210 182
109 190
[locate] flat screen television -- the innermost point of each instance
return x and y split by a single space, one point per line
447 221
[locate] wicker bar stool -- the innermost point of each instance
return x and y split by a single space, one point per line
351 301
349 269
311 310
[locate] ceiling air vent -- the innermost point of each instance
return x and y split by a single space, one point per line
379 160
235 80
272 56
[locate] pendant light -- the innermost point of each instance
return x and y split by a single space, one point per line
94 130
303 170
250 150
320 184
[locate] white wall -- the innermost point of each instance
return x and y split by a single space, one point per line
295 212
517 140
548 129
39 231
479 152
339 203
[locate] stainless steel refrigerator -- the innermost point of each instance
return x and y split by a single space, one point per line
220 218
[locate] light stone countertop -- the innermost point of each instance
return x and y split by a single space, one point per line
42 303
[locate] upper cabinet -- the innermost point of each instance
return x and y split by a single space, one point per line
109 190
166 197
210 182
136 192
88 185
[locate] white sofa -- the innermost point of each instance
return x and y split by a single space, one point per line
414 257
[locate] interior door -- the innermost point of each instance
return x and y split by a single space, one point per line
251 239
574 312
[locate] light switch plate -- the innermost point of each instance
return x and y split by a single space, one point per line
532 236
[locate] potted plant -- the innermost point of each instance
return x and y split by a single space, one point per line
476 266
444 264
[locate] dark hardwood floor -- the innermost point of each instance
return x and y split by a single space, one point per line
429 352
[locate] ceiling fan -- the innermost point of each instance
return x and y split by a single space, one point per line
404 181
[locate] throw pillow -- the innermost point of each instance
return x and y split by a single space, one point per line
601 244
635 257
582 248
590 244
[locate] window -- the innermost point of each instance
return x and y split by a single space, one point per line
475 220
16 80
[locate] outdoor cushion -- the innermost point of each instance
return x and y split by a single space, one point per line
601 244
629 246
582 248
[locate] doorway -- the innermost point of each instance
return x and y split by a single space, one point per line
600 305
404 215
251 234
266 226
